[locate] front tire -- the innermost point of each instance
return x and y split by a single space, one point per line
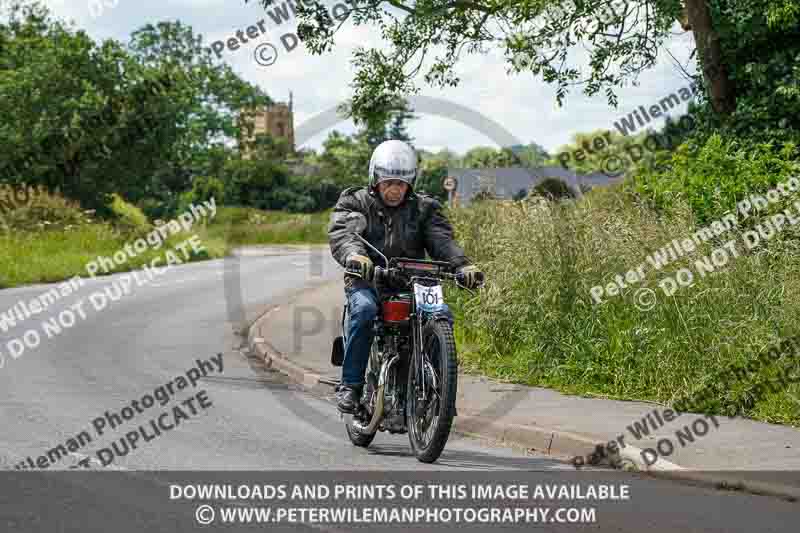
357 437
429 420
361 440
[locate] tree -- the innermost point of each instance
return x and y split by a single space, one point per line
219 93
487 157
536 35
397 128
618 152
346 159
622 39
90 134
433 169
213 101
256 182
385 123
531 155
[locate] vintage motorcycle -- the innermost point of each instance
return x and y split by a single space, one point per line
412 374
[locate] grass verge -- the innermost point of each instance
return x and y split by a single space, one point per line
37 254
51 256
537 323
244 225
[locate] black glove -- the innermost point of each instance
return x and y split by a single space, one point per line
470 276
361 266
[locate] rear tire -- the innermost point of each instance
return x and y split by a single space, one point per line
440 345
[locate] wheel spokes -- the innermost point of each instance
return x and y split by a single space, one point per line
425 423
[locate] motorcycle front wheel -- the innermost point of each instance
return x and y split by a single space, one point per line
359 439
429 417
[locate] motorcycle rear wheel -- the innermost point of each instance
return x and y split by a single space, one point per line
429 423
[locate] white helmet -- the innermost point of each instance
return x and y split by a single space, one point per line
393 160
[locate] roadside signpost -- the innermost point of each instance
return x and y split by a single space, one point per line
449 184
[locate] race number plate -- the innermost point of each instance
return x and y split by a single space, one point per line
429 299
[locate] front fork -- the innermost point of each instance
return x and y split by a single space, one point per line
419 360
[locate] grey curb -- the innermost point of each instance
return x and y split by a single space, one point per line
552 442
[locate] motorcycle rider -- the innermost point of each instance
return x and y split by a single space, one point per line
400 223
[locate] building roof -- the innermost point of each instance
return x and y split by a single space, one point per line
508 181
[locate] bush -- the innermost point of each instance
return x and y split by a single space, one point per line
203 190
553 189
128 218
29 209
712 177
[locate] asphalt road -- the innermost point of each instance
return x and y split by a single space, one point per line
247 418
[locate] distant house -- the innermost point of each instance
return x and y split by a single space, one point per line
507 182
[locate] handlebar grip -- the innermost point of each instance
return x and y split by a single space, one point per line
480 279
382 275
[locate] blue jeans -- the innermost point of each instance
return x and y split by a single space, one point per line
362 306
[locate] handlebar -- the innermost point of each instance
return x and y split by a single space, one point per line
442 270
386 274
391 276
400 271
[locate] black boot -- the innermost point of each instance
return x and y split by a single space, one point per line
348 397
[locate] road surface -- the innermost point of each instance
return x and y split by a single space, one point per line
244 418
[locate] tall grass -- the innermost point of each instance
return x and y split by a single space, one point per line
537 323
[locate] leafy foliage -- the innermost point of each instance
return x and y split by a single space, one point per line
204 188
487 157
537 36
713 176
553 189
761 44
536 322
128 218
80 116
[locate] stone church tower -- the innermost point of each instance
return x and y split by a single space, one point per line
277 120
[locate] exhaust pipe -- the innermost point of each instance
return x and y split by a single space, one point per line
377 415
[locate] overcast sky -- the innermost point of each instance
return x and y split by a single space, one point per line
522 104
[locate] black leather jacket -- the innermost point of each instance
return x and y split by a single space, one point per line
408 230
